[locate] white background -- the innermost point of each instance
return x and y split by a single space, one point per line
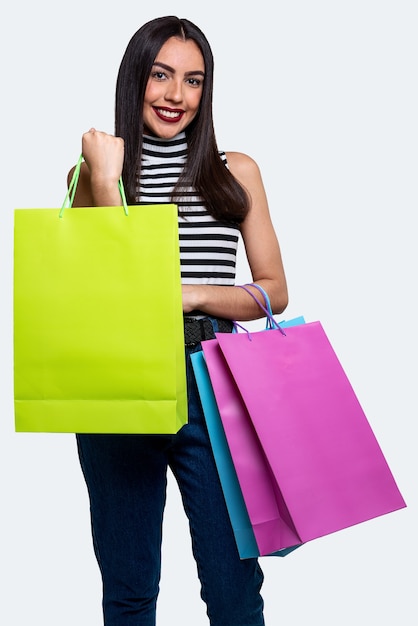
323 94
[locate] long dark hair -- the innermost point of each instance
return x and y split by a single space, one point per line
223 195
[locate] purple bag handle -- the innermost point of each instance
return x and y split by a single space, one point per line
264 294
271 322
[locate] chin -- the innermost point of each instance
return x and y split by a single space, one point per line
168 133
165 130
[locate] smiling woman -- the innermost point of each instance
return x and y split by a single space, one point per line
173 93
164 148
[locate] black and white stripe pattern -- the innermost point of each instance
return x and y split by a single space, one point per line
208 248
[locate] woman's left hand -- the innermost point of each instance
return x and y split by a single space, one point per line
190 302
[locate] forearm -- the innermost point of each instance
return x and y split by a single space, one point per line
233 302
105 193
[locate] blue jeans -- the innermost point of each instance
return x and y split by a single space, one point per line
126 477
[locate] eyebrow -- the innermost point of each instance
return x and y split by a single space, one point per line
172 70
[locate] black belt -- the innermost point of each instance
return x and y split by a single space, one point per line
197 330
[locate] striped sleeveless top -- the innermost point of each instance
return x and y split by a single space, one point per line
208 247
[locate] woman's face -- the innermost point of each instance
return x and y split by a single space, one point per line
174 88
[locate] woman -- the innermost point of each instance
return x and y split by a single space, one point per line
165 149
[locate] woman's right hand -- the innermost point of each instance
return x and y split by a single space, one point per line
98 183
103 154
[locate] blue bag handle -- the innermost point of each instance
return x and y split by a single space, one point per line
264 294
270 322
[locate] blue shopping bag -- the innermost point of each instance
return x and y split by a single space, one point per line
238 514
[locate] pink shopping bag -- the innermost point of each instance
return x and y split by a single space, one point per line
325 466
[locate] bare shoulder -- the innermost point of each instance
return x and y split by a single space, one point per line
84 175
242 166
83 196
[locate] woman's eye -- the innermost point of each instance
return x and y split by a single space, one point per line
158 75
195 82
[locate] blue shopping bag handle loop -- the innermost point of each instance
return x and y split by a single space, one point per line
271 322
69 198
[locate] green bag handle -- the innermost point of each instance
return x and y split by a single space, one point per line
69 198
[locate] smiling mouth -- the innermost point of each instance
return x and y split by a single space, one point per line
169 115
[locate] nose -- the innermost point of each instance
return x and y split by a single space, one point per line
174 91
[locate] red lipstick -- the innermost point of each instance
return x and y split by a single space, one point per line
168 115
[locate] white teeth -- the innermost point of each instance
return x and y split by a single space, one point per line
171 114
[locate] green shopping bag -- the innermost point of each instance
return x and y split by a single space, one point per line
98 321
